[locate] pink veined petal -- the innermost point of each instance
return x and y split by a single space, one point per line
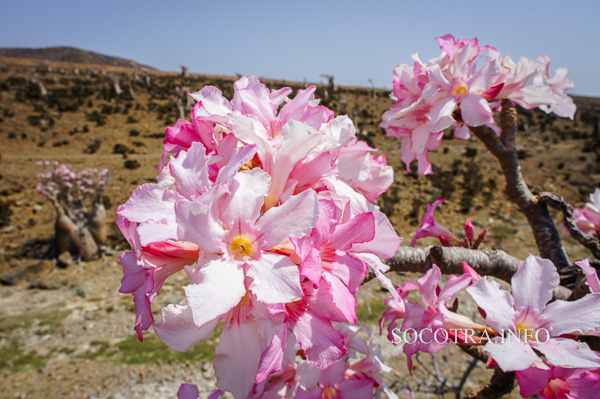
296 108
271 359
220 288
180 136
321 302
586 386
592 275
197 224
533 380
454 285
190 170
295 218
359 229
354 162
580 316
149 202
213 104
327 222
238 341
334 374
322 344
513 354
476 111
419 138
275 279
440 114
214 394
310 258
248 189
385 243
297 140
250 131
308 375
309 172
429 285
342 299
156 231
356 389
461 131
135 275
351 271
188 391
495 302
279 96
240 157
129 231
568 353
533 283
177 328
254 99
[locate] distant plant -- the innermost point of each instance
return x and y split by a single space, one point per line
80 226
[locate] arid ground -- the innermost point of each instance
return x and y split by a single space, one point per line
66 332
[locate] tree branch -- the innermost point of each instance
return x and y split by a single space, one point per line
500 384
489 262
557 202
504 149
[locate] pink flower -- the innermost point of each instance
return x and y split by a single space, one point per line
248 328
525 320
592 275
431 228
433 322
551 382
588 218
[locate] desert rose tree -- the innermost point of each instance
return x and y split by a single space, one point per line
80 227
267 203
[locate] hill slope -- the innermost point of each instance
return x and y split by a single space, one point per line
68 54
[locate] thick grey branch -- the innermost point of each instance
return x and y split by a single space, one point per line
504 149
557 202
489 262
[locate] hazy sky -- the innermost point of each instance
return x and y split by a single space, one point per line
353 40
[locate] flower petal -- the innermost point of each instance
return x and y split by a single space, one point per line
295 218
578 316
495 302
568 353
512 354
275 279
533 283
238 341
220 287
177 328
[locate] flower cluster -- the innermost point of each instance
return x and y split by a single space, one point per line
356 375
69 186
454 88
519 327
587 219
430 228
267 204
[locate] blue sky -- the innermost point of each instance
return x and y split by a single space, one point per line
354 40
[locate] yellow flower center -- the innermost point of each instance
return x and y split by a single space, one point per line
525 332
330 393
241 247
460 90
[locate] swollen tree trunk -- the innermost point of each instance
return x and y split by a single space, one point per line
97 223
78 241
